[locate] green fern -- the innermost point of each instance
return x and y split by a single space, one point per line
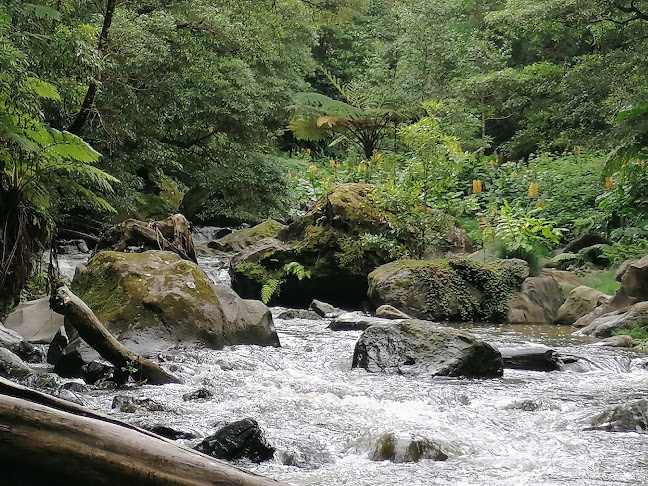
270 288
564 257
296 269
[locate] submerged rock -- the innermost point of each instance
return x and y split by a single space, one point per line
423 348
448 290
629 417
169 433
153 299
389 447
242 439
128 404
531 358
355 321
299 314
200 394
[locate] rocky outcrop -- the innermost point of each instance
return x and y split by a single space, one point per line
35 321
148 300
387 311
448 290
390 447
414 347
581 301
328 242
238 440
540 297
605 325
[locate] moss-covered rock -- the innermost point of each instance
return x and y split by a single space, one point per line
328 241
448 289
155 295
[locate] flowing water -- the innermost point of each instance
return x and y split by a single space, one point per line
324 418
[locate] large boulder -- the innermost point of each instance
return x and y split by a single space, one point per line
605 325
35 321
633 289
540 297
448 290
147 299
328 242
15 343
581 301
238 440
414 347
628 417
12 366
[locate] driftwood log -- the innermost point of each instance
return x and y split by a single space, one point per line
93 332
172 234
533 359
45 440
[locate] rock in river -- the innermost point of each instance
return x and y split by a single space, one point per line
147 299
424 348
237 440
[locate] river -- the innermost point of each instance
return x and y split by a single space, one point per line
527 428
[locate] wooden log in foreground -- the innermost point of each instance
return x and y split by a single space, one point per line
93 332
45 440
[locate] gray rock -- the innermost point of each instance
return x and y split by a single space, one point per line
535 358
414 347
355 321
581 301
387 311
620 272
540 297
603 326
629 417
35 321
237 440
12 366
621 341
323 309
389 447
15 343
131 404
57 346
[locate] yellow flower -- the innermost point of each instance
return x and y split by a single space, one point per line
338 165
332 164
312 169
477 186
290 175
609 183
541 204
534 189
578 150
514 174
362 168
641 162
308 152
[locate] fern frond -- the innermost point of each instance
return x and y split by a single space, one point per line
329 106
269 289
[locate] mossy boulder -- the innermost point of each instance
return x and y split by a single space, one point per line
448 289
145 298
328 242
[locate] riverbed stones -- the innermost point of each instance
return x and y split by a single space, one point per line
241 439
414 347
448 289
390 447
15 343
356 321
620 341
581 301
154 299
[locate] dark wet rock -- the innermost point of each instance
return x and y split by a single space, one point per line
97 371
323 309
584 241
69 396
423 348
299 314
531 358
389 447
152 300
47 382
242 439
581 301
540 297
57 346
75 386
605 325
74 357
35 321
355 321
628 417
169 433
11 366
129 404
310 455
530 405
387 311
15 343
200 394
621 341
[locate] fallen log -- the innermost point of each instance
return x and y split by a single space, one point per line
45 440
533 359
93 332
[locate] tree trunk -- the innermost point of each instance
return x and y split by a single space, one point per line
93 332
45 440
